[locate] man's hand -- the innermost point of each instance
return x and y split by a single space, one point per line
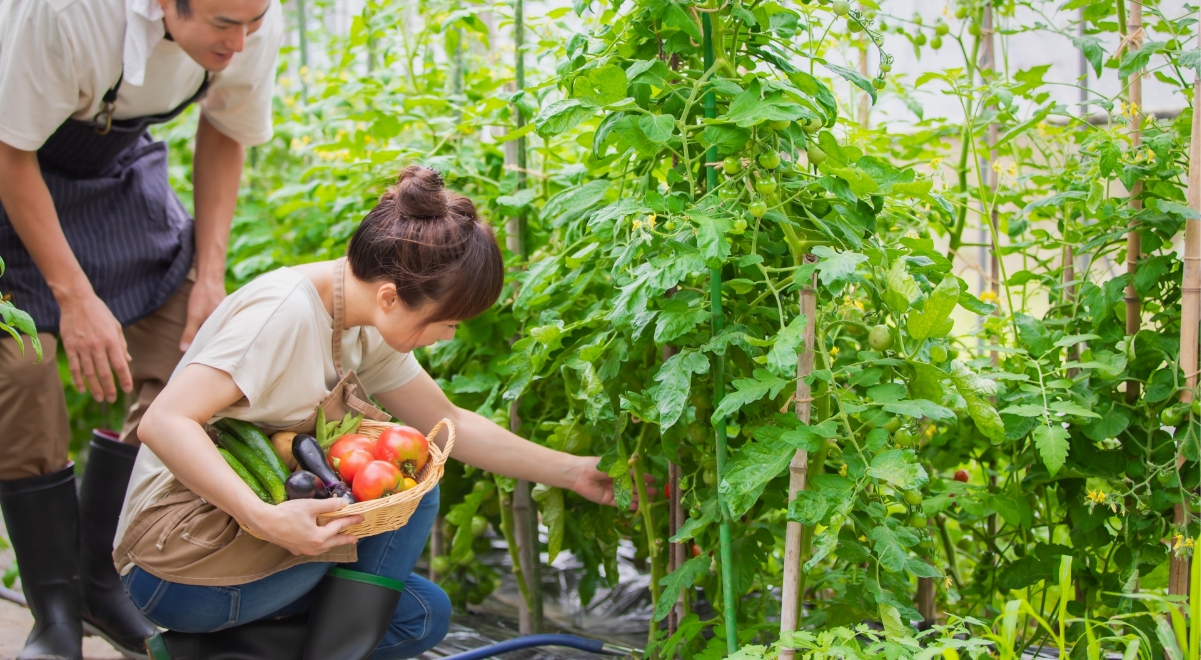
95 346
206 294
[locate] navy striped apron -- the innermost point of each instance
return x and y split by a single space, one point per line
126 226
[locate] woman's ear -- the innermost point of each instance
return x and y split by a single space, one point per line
386 297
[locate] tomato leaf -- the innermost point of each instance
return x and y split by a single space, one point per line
899 468
1052 444
678 580
782 359
932 320
675 381
748 390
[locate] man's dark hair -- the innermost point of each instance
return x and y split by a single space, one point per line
183 8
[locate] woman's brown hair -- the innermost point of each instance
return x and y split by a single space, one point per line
431 243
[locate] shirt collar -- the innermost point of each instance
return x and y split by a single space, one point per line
143 30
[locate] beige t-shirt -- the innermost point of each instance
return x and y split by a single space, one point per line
274 338
59 57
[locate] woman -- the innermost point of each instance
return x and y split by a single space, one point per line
294 339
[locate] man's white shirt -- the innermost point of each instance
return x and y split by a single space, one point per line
59 57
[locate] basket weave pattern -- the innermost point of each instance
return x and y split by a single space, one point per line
393 512
390 513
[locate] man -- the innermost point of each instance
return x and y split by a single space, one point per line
105 258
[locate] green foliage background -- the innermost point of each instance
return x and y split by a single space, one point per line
616 354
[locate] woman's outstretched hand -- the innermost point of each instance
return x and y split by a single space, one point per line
293 525
597 486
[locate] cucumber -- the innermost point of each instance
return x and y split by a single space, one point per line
255 465
245 475
256 441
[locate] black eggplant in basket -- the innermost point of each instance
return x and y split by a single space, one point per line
310 457
304 485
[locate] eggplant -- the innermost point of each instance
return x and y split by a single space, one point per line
304 485
310 457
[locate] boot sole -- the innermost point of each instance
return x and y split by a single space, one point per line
93 631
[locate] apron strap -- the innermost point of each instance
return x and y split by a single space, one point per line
339 313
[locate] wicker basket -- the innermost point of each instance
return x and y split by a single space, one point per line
393 512
390 513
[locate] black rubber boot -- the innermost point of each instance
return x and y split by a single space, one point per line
107 610
275 639
350 615
42 516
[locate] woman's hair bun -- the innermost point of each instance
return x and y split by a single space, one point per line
419 193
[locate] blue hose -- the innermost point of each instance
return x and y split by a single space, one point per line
530 641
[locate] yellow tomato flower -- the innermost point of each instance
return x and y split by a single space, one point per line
935 163
842 471
834 352
988 296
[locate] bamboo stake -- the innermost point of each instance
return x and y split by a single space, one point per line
1190 317
1132 35
798 469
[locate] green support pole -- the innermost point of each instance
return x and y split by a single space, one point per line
727 550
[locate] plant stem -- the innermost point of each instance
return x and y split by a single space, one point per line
727 550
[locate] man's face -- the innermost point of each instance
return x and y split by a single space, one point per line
214 29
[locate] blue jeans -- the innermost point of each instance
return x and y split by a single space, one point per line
418 624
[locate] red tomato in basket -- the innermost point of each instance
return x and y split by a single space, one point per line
350 464
377 479
404 447
347 444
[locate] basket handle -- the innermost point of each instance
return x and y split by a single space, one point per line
440 455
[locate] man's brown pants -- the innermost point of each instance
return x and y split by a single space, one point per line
34 430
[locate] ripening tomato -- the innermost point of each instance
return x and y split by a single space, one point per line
962 476
347 444
350 464
404 447
375 480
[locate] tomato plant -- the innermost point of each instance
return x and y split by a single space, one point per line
986 429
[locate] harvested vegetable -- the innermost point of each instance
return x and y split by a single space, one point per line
256 441
281 441
245 475
304 485
255 464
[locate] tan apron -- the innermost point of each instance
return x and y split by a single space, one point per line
182 538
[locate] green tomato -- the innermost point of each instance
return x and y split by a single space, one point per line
769 160
1195 406
938 353
920 39
710 474
1171 416
941 28
936 43
913 497
974 29
729 192
854 26
917 18
757 208
698 433
739 227
765 185
732 165
886 67
440 564
926 543
879 338
904 437
878 83
961 11
479 526
841 7
466 558
815 154
811 126
919 522
892 425
779 124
